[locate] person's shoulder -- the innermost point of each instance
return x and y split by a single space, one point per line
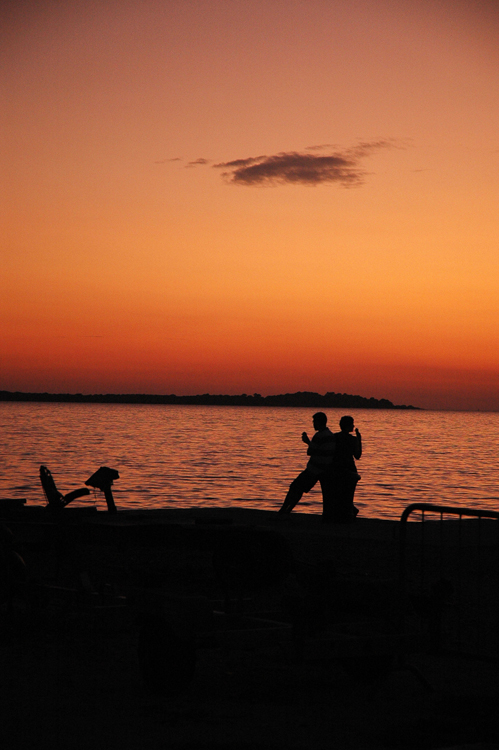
324 434
343 437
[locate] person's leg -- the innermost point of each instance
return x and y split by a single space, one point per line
302 484
355 480
343 507
328 495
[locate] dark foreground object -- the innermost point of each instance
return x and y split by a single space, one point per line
102 479
81 669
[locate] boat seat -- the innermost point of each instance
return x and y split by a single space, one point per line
56 499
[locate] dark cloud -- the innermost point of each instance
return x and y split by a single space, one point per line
303 168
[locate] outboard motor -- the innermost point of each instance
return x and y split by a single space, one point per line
102 480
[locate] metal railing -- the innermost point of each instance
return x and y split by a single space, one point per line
449 580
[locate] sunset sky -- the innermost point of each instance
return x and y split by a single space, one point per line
239 196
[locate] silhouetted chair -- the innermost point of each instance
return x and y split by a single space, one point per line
56 500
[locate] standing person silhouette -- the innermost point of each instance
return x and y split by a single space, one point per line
339 486
320 449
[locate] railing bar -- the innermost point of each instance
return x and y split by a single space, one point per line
422 557
402 582
460 578
471 558
481 573
497 593
441 544
450 510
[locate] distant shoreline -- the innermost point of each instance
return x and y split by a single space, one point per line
302 398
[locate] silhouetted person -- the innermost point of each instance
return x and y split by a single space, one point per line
320 450
339 485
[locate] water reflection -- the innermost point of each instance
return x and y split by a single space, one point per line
170 456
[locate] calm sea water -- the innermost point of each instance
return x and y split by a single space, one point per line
184 456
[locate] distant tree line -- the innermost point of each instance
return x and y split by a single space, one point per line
302 398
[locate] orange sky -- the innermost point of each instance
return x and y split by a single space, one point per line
261 196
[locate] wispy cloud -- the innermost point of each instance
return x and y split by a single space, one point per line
165 161
198 163
314 166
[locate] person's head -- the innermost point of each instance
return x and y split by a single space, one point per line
346 424
319 420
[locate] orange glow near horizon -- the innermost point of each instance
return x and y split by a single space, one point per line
262 197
